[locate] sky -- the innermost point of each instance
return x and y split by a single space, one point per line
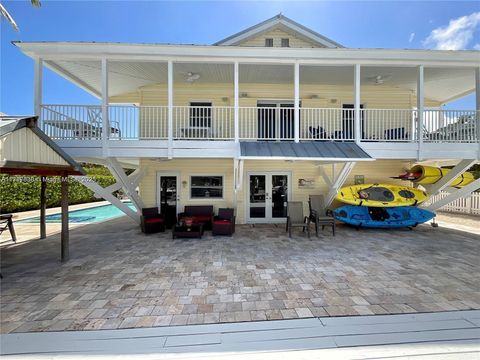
359 24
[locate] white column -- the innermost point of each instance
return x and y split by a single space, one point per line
297 102
477 102
105 122
37 87
170 108
235 102
420 106
357 99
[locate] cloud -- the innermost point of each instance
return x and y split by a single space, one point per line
412 36
456 35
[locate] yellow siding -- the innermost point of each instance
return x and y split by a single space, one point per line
23 145
153 121
277 35
187 168
373 171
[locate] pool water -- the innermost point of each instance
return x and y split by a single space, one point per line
90 215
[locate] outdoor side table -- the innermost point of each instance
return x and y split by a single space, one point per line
191 231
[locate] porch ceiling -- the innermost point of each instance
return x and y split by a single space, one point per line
441 84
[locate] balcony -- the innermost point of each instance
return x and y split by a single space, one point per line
84 122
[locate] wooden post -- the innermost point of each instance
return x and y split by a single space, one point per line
43 206
65 246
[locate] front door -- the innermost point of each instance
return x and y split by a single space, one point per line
168 198
268 194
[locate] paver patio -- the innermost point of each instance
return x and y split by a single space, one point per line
119 278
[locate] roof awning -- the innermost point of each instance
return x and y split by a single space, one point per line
309 150
27 150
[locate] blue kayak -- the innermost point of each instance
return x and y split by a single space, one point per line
375 217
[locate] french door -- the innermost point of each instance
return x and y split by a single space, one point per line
275 120
168 196
267 196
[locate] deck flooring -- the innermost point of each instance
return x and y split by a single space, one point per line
450 334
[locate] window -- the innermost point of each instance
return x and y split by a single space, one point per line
285 42
269 42
200 114
206 187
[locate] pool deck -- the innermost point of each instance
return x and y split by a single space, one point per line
31 231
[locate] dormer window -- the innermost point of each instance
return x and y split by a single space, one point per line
268 42
286 42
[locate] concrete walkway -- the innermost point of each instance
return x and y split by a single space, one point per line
445 335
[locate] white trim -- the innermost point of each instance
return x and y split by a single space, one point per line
296 111
37 86
205 175
170 107
420 109
304 158
357 103
283 24
442 184
178 199
118 172
462 192
236 101
103 193
105 122
153 52
268 185
477 104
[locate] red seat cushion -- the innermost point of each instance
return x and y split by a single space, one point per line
153 220
202 218
222 221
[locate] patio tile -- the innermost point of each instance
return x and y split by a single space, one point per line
211 318
117 281
257 315
163 320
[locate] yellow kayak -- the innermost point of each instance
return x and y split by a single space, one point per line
425 175
381 195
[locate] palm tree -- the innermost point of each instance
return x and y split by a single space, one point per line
6 15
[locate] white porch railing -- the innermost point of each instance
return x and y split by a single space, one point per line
266 123
450 126
466 205
203 123
388 125
128 122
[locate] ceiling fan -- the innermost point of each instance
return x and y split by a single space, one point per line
379 79
191 77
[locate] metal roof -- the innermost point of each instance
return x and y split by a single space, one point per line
308 150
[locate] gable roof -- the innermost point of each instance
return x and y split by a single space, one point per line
37 154
282 22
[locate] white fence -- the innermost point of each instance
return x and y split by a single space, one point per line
467 205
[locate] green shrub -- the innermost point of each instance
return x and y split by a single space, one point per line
21 193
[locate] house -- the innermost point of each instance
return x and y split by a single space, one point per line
272 113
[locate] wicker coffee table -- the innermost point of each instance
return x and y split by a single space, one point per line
188 231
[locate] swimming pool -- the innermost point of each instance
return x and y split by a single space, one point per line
89 215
